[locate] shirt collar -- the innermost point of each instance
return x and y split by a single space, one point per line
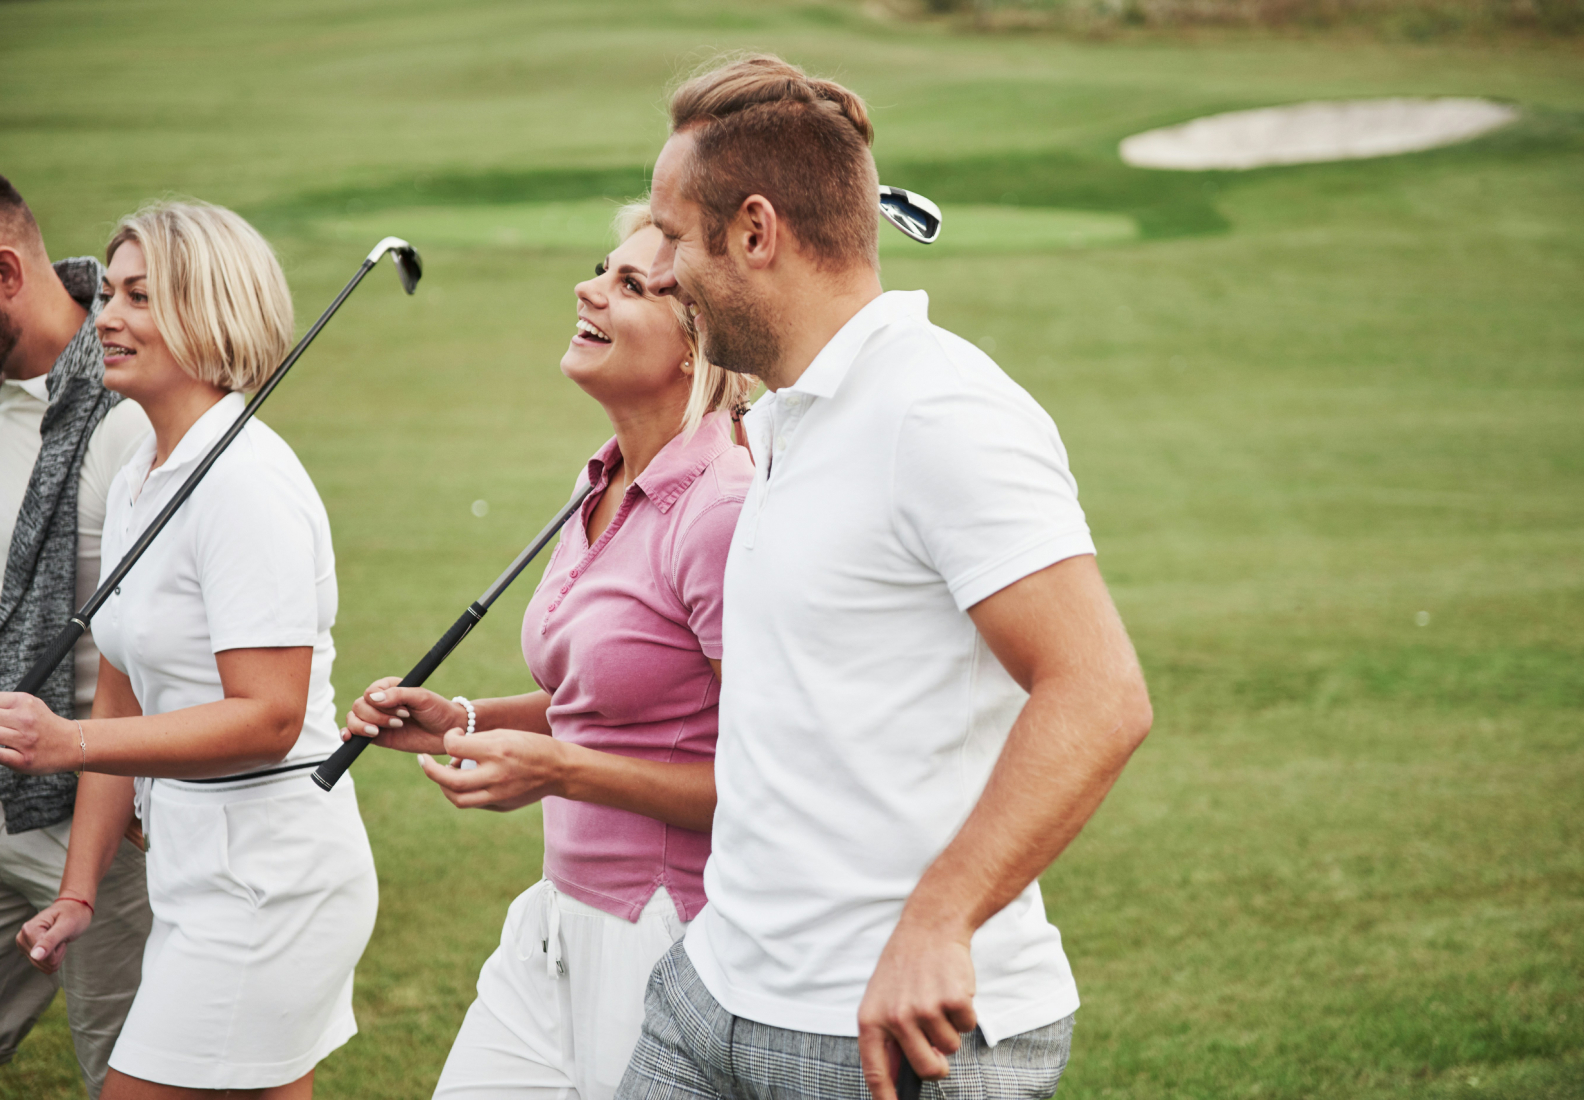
677 466
824 376
36 387
193 446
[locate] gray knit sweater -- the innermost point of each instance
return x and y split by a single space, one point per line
41 571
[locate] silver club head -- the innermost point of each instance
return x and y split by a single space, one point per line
912 213
408 265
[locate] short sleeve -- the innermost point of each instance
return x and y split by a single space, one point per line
983 491
699 571
256 561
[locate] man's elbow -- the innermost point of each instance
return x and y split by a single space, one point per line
1135 718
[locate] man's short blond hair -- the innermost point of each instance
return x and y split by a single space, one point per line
763 126
714 388
216 291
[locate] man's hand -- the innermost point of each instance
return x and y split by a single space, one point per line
1057 634
44 938
919 1002
516 768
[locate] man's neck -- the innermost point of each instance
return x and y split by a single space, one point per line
815 317
52 321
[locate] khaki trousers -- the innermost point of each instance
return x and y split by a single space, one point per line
102 969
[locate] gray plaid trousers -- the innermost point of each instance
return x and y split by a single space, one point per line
693 1049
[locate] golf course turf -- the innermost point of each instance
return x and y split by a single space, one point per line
1326 422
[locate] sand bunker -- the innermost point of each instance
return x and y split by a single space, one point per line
1307 133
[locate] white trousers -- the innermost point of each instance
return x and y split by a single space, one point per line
560 1001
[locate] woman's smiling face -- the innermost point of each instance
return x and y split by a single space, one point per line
137 361
628 346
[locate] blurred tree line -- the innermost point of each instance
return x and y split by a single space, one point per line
1412 19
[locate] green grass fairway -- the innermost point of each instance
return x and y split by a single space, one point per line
1328 423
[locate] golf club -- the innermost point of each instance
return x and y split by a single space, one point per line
409 267
912 213
333 769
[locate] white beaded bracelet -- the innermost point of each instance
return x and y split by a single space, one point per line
467 765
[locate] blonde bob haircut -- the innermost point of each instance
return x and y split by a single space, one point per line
714 388
216 291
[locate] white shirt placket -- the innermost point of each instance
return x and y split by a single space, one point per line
773 440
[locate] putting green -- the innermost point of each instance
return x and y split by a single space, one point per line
586 226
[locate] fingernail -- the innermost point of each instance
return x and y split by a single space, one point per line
39 952
371 730
404 712
396 721
377 696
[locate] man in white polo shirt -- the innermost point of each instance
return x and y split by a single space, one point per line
63 438
926 691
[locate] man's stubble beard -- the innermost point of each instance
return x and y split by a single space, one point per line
10 335
738 330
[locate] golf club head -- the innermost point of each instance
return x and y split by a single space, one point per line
912 213
408 264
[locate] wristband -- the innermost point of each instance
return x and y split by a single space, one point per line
79 901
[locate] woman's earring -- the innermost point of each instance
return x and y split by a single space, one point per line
687 366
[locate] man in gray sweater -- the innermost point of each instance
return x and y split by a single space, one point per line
63 437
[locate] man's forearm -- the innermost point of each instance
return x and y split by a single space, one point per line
1062 756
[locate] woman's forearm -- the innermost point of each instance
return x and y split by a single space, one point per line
514 712
100 818
678 794
255 726
200 742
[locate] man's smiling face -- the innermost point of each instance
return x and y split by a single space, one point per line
679 220
737 328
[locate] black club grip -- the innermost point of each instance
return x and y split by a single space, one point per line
54 655
330 772
908 1085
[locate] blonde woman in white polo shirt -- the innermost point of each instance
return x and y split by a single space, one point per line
215 680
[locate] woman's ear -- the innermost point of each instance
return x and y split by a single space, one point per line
687 366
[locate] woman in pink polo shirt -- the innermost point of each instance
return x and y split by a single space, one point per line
624 632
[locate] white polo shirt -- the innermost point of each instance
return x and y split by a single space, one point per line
900 481
245 563
22 408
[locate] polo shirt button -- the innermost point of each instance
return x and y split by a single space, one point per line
574 574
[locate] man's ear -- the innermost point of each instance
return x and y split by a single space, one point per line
757 231
12 272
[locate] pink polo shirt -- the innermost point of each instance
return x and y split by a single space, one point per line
618 633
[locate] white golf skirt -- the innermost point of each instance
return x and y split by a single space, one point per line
264 897
560 1002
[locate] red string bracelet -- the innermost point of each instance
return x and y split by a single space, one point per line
79 901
